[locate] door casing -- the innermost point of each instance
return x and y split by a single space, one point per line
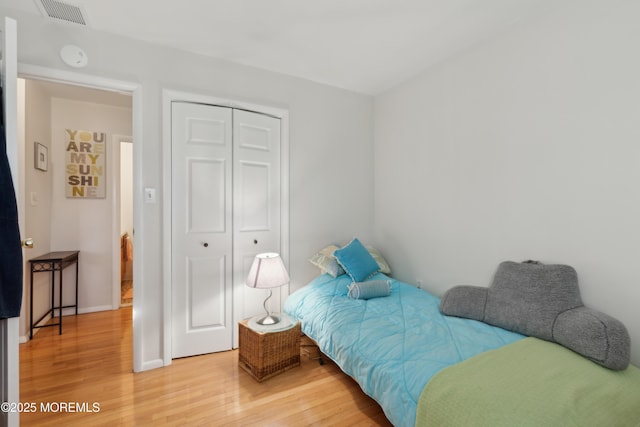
9 328
35 72
116 168
169 96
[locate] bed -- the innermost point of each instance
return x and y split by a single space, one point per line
428 369
391 346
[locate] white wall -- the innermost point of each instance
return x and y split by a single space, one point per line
524 148
331 156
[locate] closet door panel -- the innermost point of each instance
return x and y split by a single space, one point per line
254 197
202 237
207 182
257 229
202 290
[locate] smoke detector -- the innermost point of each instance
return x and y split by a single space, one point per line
62 12
74 56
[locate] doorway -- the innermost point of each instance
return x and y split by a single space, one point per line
242 303
226 197
125 144
58 222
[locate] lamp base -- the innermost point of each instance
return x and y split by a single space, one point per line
268 320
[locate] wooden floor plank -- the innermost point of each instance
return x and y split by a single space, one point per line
91 363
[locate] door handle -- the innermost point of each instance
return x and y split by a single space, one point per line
27 243
205 244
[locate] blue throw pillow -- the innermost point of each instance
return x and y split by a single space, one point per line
356 261
370 289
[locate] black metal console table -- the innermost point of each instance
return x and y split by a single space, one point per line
52 262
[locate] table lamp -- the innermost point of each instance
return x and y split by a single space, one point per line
267 272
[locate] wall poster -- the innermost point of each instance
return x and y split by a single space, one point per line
85 164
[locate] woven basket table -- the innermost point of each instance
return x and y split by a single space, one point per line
266 354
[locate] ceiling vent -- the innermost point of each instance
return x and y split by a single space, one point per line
60 11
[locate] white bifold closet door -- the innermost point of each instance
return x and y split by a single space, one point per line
225 209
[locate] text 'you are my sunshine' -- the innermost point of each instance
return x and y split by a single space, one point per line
85 168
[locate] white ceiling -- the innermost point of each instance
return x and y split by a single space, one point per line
367 46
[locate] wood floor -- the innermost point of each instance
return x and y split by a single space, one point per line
88 369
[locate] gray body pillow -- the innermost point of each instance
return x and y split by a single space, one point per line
369 289
543 301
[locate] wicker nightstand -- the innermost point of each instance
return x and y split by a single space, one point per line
266 354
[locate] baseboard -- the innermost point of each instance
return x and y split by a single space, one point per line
66 312
89 309
25 338
152 364
72 311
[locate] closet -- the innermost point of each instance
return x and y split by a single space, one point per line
225 209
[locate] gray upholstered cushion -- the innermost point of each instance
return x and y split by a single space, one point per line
543 301
595 335
369 289
465 301
527 297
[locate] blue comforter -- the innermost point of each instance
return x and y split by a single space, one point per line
393 345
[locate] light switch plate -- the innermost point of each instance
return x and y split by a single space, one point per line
149 195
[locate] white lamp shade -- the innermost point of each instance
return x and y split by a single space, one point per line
267 271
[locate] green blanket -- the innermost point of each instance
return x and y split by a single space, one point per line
530 383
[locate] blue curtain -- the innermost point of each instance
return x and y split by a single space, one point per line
10 245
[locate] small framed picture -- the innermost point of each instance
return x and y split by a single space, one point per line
41 157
